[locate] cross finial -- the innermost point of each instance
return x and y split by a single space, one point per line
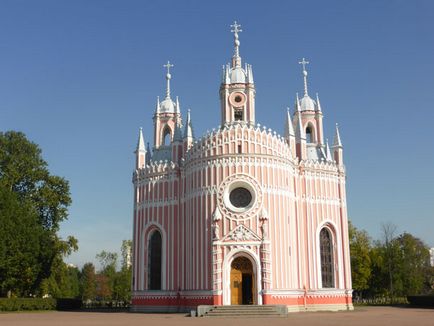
235 27
303 62
168 65
236 60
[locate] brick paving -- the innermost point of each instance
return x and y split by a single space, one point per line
388 316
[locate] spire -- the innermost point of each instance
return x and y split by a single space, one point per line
236 60
157 107
303 62
188 132
318 104
140 151
328 153
301 134
168 77
289 129
250 74
140 142
337 140
297 103
177 109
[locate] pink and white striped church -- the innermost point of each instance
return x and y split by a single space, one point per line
242 215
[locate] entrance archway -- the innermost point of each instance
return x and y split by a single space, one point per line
242 281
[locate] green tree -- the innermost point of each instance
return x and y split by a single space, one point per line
20 239
122 284
37 199
414 271
360 247
88 282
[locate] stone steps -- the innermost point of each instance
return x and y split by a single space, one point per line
244 311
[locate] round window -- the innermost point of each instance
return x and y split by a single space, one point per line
238 98
240 197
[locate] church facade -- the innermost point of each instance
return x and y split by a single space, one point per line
241 215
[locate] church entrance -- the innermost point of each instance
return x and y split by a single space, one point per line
242 281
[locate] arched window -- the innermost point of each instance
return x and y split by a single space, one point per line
154 261
166 136
327 259
309 134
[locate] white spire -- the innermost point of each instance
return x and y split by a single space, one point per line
188 132
337 140
303 62
236 60
157 107
289 129
177 109
140 142
250 74
227 75
328 153
168 77
301 134
297 103
318 104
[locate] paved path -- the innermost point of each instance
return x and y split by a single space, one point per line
387 316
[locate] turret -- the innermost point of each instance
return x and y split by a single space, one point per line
167 114
140 152
338 148
188 133
311 114
237 91
289 133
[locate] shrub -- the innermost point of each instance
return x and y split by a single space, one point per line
16 304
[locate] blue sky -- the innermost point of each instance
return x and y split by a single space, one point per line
80 77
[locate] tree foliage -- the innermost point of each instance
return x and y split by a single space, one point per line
394 266
33 203
360 246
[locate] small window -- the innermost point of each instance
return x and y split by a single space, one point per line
238 98
238 115
309 136
166 136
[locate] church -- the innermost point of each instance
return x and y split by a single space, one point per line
242 215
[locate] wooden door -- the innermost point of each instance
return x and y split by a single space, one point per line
236 287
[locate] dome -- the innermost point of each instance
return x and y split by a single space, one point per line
238 75
167 105
307 104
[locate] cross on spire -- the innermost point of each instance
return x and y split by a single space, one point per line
303 62
168 65
235 28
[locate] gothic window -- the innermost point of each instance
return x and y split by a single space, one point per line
327 259
166 136
155 260
309 135
238 115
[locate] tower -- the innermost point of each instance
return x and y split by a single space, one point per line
308 118
167 115
237 90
